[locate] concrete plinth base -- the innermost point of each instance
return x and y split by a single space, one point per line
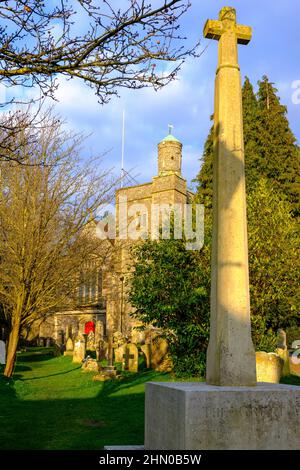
197 416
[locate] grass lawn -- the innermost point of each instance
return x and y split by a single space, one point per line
52 404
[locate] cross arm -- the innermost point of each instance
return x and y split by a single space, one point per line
244 34
213 29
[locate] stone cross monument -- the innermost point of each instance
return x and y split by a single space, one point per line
227 412
231 355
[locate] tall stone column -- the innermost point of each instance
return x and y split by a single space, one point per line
230 356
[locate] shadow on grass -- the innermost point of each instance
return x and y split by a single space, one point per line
49 375
36 356
291 380
56 414
127 381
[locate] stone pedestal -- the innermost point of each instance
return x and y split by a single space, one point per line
197 416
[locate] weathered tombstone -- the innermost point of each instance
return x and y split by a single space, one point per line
138 336
283 352
230 411
131 358
108 372
2 352
69 344
69 347
79 349
41 342
119 353
102 350
160 359
90 341
268 367
146 348
48 342
90 365
99 331
119 338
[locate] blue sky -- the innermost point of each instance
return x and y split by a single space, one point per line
187 103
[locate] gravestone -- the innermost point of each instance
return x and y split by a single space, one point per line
138 336
108 372
48 342
119 353
131 358
119 338
99 331
69 347
79 349
102 350
2 352
283 352
90 365
160 359
268 367
231 410
146 348
90 341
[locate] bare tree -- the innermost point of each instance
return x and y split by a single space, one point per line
104 45
90 39
46 206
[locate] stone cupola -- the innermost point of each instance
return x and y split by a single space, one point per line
169 156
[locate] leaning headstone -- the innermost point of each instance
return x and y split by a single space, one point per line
2 352
283 352
160 359
146 348
268 367
79 350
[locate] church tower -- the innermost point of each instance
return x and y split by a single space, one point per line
169 156
167 188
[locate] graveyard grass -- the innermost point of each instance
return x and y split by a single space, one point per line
51 404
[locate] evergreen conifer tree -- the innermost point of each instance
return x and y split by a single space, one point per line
279 154
271 150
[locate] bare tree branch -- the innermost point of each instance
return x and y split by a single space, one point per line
117 48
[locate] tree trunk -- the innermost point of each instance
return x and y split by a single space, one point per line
12 350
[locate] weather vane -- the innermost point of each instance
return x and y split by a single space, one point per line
171 127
